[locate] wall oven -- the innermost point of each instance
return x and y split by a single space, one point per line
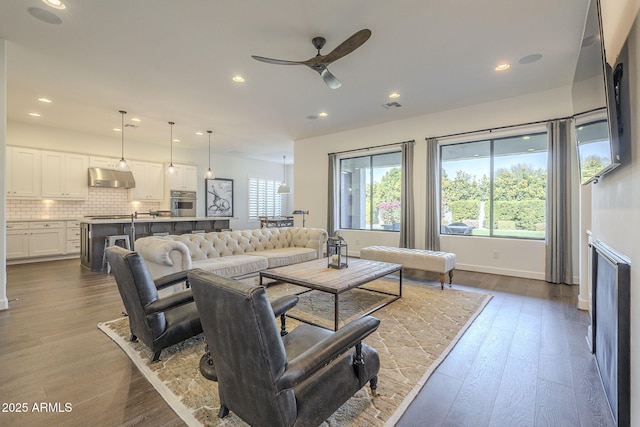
183 203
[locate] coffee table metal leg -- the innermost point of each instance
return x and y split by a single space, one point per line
336 313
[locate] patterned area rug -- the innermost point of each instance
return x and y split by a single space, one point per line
416 333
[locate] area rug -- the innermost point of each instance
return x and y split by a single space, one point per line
415 335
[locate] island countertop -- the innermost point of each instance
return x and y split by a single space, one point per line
94 232
156 219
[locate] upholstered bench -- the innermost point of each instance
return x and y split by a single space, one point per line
419 259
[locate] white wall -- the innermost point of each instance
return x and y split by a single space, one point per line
238 169
522 258
4 303
615 207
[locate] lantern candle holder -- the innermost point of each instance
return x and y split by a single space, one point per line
337 252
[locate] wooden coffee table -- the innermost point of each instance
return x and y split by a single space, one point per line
315 275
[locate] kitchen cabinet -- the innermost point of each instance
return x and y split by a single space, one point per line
64 175
47 238
103 162
184 178
36 239
73 237
149 181
17 240
23 173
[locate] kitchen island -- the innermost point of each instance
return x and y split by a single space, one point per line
94 231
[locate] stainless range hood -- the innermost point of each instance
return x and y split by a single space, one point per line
110 178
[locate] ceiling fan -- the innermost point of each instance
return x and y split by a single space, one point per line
320 62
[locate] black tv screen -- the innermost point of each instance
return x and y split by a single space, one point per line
595 97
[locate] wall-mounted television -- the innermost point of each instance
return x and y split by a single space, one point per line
596 103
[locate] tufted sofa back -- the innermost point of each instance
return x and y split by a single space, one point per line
227 243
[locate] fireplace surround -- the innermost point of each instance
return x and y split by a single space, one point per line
610 327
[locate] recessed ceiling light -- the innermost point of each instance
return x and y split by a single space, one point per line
238 79
117 130
199 133
323 114
176 140
45 100
526 137
394 95
56 4
135 119
502 67
34 114
531 150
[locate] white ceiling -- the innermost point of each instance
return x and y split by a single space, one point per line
173 61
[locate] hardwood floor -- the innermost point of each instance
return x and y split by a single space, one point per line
524 361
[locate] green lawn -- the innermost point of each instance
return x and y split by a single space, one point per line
526 234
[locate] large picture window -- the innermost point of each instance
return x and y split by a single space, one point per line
495 187
264 199
370 192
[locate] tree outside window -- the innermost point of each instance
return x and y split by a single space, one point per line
370 189
495 187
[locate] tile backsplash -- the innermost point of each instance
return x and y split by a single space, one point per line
101 201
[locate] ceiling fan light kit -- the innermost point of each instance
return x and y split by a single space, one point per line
320 62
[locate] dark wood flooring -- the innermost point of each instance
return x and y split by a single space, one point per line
524 361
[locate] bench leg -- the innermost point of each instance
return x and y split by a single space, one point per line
441 280
450 277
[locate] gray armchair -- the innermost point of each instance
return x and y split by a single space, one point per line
157 322
267 380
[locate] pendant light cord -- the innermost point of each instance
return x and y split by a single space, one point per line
122 113
209 132
171 142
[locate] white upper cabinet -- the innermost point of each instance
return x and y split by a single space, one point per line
184 178
149 181
103 162
64 175
23 173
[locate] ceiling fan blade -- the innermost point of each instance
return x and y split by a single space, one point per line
330 79
276 61
347 46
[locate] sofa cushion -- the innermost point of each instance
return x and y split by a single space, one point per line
233 266
286 256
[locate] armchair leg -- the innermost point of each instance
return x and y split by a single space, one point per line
358 364
223 412
156 356
374 386
133 338
283 325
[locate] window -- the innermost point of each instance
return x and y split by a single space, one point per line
370 192
264 199
495 187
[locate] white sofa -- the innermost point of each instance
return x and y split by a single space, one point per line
231 253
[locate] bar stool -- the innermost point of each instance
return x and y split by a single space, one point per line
110 241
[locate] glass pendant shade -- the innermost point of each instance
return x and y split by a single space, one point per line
284 188
122 164
209 173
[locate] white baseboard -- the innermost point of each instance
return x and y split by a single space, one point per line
501 271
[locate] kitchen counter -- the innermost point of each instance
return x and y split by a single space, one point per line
94 231
147 219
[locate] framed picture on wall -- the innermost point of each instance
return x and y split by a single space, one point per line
219 197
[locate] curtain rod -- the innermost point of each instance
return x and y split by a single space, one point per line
372 147
503 127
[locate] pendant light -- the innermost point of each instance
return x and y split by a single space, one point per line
171 169
122 164
284 188
209 173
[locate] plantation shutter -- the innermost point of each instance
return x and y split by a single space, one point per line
264 199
